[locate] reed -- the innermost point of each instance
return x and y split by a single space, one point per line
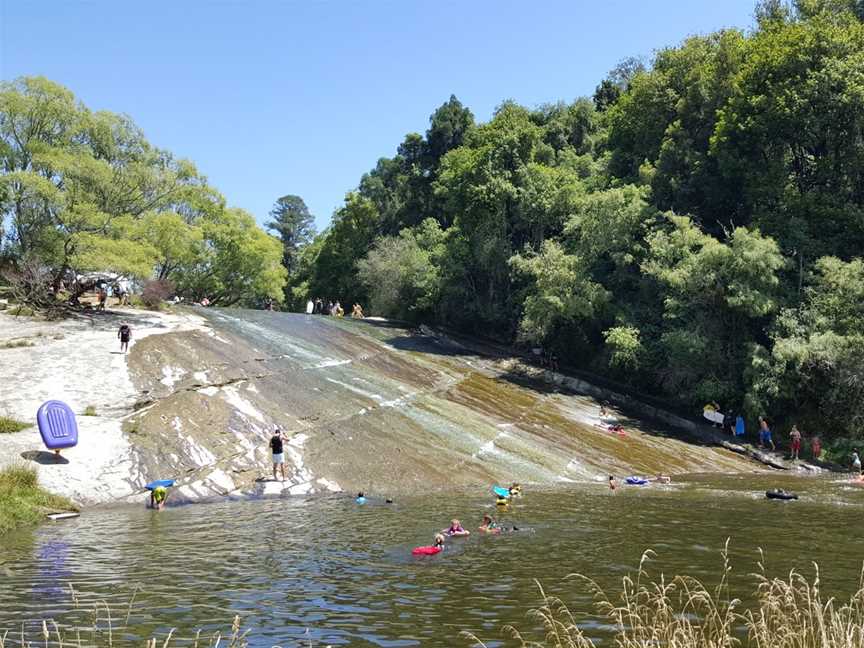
682 612
108 627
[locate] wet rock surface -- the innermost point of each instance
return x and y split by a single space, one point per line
365 405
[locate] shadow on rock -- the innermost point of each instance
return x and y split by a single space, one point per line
44 458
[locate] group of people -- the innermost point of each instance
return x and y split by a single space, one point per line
736 426
488 525
317 306
106 291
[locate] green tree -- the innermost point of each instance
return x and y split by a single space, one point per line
716 296
85 190
242 263
294 226
791 134
349 238
402 274
815 367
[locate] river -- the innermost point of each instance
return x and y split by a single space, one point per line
326 570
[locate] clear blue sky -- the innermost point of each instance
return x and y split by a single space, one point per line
277 97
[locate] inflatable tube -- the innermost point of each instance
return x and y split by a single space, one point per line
425 551
360 500
165 483
501 492
636 481
57 425
502 502
780 495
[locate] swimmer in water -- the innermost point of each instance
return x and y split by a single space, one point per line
612 483
489 525
455 528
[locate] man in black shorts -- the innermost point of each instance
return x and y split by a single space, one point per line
278 453
125 334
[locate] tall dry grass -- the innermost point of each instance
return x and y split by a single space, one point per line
682 612
109 628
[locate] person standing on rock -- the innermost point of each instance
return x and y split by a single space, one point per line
276 445
765 434
125 334
816 447
795 437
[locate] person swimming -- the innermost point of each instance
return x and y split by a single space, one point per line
455 529
515 489
431 550
489 525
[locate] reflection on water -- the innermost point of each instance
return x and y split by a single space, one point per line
338 573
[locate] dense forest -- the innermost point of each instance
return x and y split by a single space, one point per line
694 230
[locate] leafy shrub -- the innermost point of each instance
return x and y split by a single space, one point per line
155 292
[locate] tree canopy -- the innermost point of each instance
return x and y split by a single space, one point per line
694 230
85 191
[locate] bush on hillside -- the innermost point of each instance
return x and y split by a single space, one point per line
155 292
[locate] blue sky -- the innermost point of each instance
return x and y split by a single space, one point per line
277 97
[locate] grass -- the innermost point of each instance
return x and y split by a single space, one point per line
9 425
22 501
90 410
682 612
17 344
22 311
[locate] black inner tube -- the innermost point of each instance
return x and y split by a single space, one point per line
781 495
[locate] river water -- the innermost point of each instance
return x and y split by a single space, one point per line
326 570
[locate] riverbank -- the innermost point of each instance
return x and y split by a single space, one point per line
22 501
